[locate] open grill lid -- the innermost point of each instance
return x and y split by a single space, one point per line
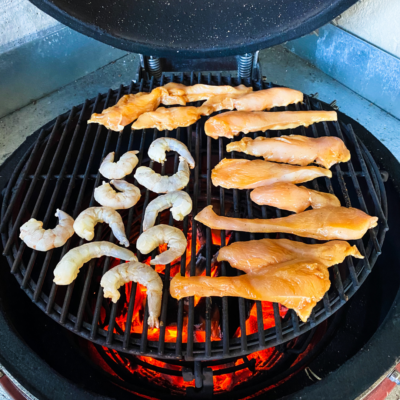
193 28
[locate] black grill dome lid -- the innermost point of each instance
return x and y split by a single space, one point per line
193 28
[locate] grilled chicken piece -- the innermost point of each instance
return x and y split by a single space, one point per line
290 197
326 223
231 123
298 285
128 108
254 255
170 118
255 101
187 94
295 149
246 174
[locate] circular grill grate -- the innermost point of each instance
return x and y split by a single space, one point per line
60 170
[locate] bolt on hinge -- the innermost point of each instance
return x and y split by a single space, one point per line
395 377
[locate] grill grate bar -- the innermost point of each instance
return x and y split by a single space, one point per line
128 324
361 201
178 351
143 339
367 176
20 184
189 351
260 319
24 205
36 209
278 213
71 185
64 206
335 269
208 254
114 306
196 188
315 184
242 306
342 183
68 295
99 230
225 315
165 299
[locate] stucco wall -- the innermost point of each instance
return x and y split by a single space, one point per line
376 21
21 21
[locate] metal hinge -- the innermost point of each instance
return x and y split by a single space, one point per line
395 377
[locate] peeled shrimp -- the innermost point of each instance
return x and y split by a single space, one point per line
160 146
67 269
164 184
107 196
136 272
111 170
180 202
87 220
160 234
35 237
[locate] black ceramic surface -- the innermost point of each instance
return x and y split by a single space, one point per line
193 28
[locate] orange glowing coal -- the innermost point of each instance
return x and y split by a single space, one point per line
176 384
263 360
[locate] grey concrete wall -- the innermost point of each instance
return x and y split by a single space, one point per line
375 21
20 22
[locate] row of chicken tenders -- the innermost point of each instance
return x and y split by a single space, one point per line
279 270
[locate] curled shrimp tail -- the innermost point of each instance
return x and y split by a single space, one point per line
68 268
108 197
88 219
180 202
37 238
157 150
140 273
123 167
161 234
164 184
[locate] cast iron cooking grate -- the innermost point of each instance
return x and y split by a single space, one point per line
60 170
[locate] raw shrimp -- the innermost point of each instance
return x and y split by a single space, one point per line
107 196
164 184
160 146
35 237
67 269
111 170
87 220
180 202
135 272
160 234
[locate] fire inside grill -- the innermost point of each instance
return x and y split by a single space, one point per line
61 171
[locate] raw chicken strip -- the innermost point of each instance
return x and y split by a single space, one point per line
298 285
245 174
170 118
290 197
295 149
198 92
231 123
128 108
326 223
253 255
255 101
